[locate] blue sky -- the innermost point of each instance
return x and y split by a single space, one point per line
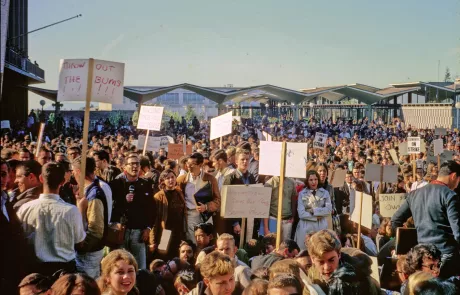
293 44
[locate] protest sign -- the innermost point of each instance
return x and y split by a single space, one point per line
403 149
387 173
337 177
236 118
375 269
270 158
438 146
154 143
150 118
390 203
165 240
320 141
440 131
245 201
366 219
263 136
5 124
105 83
413 145
296 160
394 156
221 126
390 173
176 151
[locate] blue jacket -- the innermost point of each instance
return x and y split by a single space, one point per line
436 212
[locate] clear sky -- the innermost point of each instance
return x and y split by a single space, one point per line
294 44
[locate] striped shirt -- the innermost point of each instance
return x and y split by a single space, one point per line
53 227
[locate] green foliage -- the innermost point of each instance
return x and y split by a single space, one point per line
447 75
189 113
51 118
115 118
135 118
168 114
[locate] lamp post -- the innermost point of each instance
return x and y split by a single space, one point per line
312 105
42 115
266 109
279 111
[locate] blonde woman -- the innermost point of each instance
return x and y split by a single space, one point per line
118 275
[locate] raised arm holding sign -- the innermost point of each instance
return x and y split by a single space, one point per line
149 119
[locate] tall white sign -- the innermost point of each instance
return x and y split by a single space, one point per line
221 126
106 83
150 118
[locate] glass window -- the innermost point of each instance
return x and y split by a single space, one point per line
193 98
168 98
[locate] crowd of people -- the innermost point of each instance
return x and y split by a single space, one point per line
148 224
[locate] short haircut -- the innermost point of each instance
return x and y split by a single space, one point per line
198 157
131 155
289 244
322 242
448 168
244 145
269 239
13 163
102 155
285 266
188 243
207 228
74 148
144 162
90 165
226 237
241 151
256 287
231 151
220 154
216 264
41 282
30 166
53 174
414 258
283 281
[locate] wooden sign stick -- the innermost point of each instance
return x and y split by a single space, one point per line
381 179
243 231
439 162
220 145
40 138
414 168
360 219
280 194
84 149
146 141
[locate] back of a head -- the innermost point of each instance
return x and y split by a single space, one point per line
39 282
216 264
449 167
415 280
144 162
435 287
146 282
90 165
256 287
285 266
102 155
285 282
414 257
53 175
69 283
289 244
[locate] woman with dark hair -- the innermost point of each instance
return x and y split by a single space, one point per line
78 283
323 173
313 206
171 214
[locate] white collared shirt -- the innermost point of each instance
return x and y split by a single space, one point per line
192 186
53 227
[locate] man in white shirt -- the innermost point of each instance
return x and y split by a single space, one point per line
53 227
242 273
219 159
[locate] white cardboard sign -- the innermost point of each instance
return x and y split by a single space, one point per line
413 145
366 219
390 203
154 143
107 83
5 124
438 146
337 177
221 125
150 118
387 173
320 141
270 159
296 160
243 201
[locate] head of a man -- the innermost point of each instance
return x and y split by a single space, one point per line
187 251
102 159
35 283
25 155
73 152
203 234
242 159
324 248
288 249
89 170
218 270
424 257
27 175
4 173
449 174
52 177
219 159
132 165
44 156
226 245
194 163
304 260
285 284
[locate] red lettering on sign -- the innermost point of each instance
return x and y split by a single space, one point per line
70 65
105 68
109 81
71 79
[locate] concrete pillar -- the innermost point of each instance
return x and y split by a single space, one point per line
296 112
250 112
409 97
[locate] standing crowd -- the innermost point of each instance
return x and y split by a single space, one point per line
149 224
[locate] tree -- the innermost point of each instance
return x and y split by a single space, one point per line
447 76
189 113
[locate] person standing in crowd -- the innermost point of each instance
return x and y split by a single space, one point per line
219 159
226 245
73 152
170 214
202 196
217 270
134 206
313 206
55 243
269 225
27 179
436 212
67 190
94 208
149 173
323 173
104 170
44 156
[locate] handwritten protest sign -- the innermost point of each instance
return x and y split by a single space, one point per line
154 143
438 146
5 124
394 156
413 145
106 84
320 141
176 151
221 125
366 219
270 159
403 149
296 160
150 118
390 203
245 201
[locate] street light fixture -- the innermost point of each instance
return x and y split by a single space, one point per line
279 111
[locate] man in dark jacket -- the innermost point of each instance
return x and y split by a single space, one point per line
133 205
27 179
436 212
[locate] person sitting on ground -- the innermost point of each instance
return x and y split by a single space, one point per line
257 287
35 283
304 260
185 281
287 249
77 284
284 285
